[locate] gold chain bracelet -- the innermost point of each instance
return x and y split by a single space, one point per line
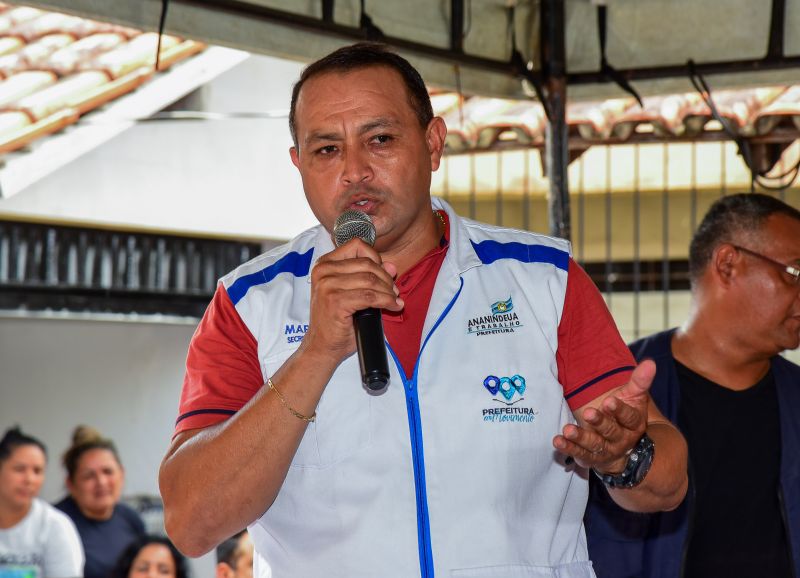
295 413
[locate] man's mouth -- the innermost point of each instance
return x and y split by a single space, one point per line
363 205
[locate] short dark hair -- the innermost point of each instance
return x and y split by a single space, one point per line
13 439
125 560
226 552
366 55
727 218
86 438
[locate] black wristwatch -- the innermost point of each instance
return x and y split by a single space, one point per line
639 461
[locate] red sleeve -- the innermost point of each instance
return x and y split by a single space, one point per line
222 367
592 357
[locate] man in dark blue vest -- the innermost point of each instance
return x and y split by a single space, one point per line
721 380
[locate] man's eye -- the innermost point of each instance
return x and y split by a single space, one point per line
326 150
382 138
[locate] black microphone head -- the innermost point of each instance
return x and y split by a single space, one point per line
352 224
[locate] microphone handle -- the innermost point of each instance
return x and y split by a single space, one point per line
372 357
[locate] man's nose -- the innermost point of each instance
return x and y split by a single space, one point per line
357 167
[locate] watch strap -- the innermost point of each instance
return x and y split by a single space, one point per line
639 461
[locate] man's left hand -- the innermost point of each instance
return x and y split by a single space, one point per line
610 426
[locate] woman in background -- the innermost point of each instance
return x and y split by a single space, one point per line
35 538
94 480
151 557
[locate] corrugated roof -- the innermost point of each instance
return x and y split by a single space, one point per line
56 67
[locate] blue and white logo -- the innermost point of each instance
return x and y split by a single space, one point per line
507 386
502 306
503 319
504 390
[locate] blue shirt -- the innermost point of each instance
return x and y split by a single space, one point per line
103 540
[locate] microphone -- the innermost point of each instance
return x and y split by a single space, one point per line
367 322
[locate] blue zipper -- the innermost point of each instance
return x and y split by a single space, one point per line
417 452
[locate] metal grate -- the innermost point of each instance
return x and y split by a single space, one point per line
634 210
80 269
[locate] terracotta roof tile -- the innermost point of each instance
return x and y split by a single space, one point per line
68 59
24 84
481 123
12 17
34 55
782 112
55 67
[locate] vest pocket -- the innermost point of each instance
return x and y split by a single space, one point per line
343 424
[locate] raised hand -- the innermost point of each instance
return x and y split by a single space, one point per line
609 427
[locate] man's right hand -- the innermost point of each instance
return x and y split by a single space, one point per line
250 453
346 280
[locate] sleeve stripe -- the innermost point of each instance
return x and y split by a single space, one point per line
293 263
598 379
203 411
490 251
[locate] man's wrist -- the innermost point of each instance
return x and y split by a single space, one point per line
638 464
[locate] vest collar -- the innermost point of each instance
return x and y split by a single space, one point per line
460 257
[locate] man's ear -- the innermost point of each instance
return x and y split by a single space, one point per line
435 136
724 262
224 571
295 156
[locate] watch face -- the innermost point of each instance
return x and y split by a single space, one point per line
636 469
644 461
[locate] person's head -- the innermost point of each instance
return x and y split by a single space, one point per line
22 465
235 557
94 473
366 138
739 256
366 55
151 557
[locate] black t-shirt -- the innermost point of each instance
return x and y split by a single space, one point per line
103 541
737 529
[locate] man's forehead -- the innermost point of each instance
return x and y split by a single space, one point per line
380 81
379 71
326 111
778 233
784 226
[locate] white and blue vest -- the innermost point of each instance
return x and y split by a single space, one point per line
450 471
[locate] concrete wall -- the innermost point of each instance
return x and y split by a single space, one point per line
124 378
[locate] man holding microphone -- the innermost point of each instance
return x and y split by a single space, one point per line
507 375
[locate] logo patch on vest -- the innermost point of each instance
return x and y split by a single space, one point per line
295 332
507 391
502 319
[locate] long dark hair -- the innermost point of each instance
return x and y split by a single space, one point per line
125 560
13 439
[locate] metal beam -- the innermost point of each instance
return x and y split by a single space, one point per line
311 24
296 36
248 26
554 71
327 10
682 70
457 25
777 25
